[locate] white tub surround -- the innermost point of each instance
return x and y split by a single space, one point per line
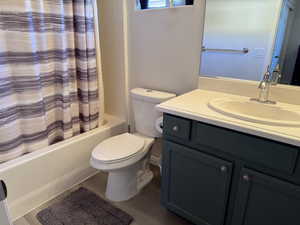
194 105
35 178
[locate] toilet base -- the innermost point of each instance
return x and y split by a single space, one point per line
125 183
144 178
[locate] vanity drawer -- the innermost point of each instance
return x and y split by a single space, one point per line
267 153
177 127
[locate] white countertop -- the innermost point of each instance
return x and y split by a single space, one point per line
194 105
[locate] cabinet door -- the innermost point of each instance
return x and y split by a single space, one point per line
195 185
264 200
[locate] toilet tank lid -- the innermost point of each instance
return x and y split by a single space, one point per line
151 95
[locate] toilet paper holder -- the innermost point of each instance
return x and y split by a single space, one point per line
159 125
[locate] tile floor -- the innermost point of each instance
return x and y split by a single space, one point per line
145 207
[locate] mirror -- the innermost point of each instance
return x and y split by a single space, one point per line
158 4
242 38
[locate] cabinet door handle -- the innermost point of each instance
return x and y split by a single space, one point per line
246 177
175 128
223 169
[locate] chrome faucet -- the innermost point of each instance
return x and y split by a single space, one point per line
264 87
265 84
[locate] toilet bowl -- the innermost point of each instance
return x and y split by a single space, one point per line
125 159
126 156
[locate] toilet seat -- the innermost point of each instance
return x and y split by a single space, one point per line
118 148
134 146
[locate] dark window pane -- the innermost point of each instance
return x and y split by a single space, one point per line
183 2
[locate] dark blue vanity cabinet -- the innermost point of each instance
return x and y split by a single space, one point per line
217 176
191 177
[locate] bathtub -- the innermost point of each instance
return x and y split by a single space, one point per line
37 177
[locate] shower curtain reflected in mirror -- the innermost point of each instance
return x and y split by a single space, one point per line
48 73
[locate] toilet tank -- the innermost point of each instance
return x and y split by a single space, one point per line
145 113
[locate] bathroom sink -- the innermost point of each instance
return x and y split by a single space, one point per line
280 114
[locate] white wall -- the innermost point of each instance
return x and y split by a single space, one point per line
164 47
158 49
238 24
112 50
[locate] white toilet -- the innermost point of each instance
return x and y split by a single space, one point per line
125 157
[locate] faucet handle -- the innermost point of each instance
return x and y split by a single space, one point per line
276 75
267 74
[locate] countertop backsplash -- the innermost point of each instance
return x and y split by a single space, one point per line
281 93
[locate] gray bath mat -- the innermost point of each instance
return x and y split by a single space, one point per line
83 207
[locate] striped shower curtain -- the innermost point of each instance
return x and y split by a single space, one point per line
48 74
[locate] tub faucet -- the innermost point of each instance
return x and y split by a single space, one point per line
265 84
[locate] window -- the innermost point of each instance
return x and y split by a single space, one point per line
156 4
183 2
152 4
